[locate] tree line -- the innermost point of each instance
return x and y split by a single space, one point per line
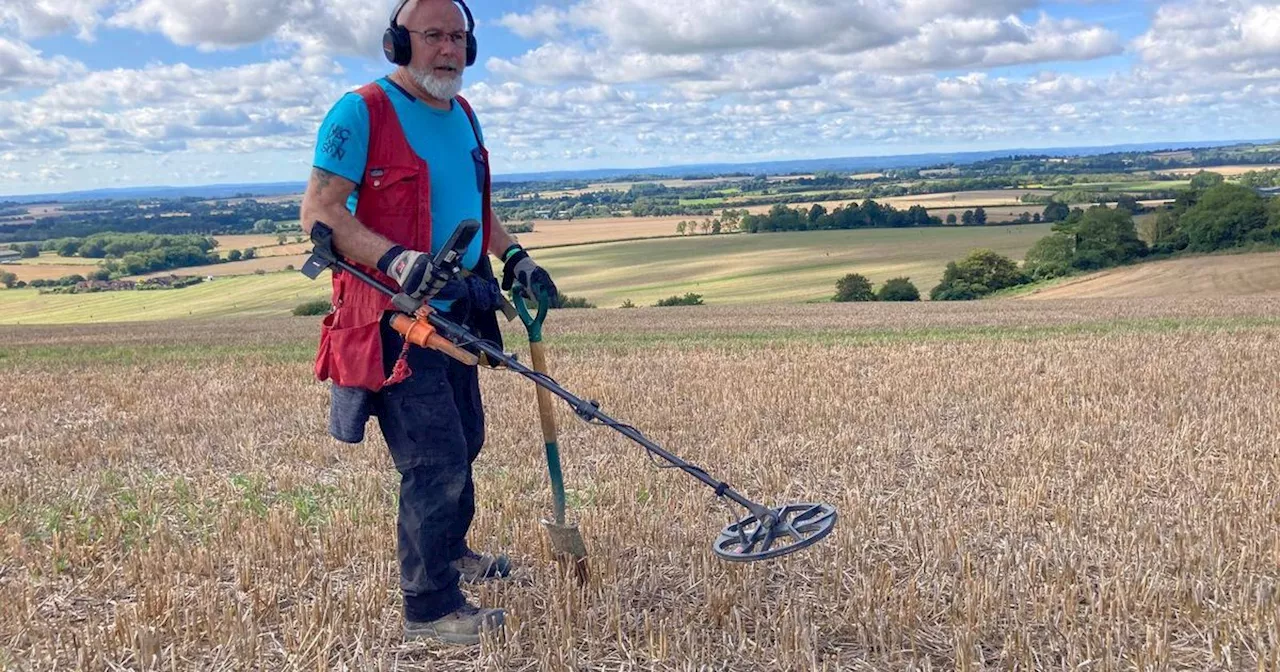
134 253
1209 219
173 217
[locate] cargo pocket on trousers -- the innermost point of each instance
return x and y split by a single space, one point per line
422 427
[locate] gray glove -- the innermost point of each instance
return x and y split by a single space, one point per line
414 271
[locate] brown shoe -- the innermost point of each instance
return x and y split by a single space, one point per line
477 568
460 627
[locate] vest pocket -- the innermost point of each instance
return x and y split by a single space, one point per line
350 352
396 185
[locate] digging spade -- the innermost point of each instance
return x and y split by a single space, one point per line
566 542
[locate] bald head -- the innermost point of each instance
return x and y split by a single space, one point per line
416 11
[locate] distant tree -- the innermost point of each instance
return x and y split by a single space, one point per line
980 216
731 218
250 253
1056 212
951 219
689 299
1050 256
983 271
1205 179
1106 237
69 248
234 255
313 307
565 301
29 251
264 226
680 227
1129 204
93 248
1225 216
815 213
8 279
1035 218
967 218
853 287
898 289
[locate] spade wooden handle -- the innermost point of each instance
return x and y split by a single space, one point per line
545 413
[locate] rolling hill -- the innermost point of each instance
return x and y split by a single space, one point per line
1208 276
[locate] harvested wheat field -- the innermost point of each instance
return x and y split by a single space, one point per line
48 271
1225 171
1207 276
1021 485
559 232
265 263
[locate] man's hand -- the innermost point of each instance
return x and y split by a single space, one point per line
519 267
417 275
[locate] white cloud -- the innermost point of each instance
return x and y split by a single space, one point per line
1238 36
654 26
544 22
206 23
332 27
21 65
551 63
662 27
36 18
174 108
988 42
722 46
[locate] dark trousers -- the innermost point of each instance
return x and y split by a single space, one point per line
433 423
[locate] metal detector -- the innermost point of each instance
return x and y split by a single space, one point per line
761 535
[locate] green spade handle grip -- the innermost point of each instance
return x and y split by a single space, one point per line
531 322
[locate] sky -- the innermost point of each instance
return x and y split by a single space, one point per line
113 93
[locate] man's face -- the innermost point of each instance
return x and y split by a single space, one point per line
438 31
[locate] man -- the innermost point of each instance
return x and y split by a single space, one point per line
398 164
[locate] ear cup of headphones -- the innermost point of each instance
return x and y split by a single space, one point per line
471 49
396 45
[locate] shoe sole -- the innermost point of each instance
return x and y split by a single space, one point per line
453 638
481 579
443 637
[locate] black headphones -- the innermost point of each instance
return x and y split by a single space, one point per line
398 48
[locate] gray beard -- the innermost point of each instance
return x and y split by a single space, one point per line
438 87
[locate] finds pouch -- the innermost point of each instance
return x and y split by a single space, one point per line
349 410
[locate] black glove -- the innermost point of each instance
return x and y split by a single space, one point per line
418 276
534 279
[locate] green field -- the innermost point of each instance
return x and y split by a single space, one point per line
1123 186
787 267
273 293
731 269
54 259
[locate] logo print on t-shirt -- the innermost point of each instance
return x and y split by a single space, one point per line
338 136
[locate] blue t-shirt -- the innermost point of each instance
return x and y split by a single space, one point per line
444 139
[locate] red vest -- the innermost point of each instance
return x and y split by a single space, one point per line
395 202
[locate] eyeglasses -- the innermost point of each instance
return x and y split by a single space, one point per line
435 37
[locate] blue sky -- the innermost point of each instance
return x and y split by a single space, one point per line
100 93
